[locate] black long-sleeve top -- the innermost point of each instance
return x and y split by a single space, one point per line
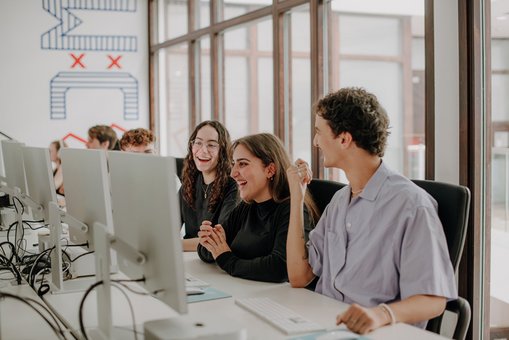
194 216
256 234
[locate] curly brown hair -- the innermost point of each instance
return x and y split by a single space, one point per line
137 137
269 149
358 112
224 162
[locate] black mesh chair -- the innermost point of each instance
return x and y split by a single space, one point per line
322 191
453 208
179 162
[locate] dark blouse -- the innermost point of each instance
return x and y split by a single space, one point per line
256 234
194 216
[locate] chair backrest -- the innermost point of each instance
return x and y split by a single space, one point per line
322 191
179 162
453 208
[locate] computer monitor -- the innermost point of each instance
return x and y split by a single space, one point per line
87 193
39 180
146 215
88 201
13 165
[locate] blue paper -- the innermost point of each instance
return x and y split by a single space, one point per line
334 334
210 294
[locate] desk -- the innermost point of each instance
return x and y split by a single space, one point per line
19 321
313 306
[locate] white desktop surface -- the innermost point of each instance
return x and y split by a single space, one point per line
19 321
312 306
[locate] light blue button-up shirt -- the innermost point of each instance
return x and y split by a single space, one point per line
385 245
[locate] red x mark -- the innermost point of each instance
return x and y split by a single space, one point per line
114 61
77 60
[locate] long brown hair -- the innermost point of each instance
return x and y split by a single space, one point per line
269 149
224 162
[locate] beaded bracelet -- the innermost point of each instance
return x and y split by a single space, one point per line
389 313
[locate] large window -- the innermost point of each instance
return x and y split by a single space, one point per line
499 276
173 90
383 53
259 65
248 82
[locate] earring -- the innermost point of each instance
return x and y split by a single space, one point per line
272 179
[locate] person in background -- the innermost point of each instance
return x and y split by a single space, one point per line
251 243
102 137
379 245
54 151
138 140
207 192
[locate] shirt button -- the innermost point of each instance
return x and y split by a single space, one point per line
348 225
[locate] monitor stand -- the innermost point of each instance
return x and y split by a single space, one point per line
187 327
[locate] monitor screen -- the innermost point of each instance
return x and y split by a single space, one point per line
146 215
13 164
39 177
87 194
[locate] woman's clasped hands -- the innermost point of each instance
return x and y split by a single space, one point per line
213 238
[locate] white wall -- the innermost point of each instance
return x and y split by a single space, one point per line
30 59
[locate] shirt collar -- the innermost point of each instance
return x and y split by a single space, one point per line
374 185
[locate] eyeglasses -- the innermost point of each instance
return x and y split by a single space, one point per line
211 147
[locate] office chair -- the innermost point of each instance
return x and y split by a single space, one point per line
179 162
453 208
322 191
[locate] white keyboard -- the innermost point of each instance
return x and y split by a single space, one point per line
279 316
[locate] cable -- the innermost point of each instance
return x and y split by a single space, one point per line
81 255
16 199
87 292
57 329
31 279
133 290
32 221
133 318
33 228
14 270
13 249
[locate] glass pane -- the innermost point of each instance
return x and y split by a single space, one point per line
172 19
235 8
300 105
380 47
205 81
173 100
248 82
499 289
236 96
367 35
389 93
204 14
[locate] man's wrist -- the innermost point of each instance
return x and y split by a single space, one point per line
389 317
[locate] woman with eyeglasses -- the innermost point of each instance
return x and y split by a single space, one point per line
251 243
208 193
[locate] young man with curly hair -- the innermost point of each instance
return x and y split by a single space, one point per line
138 140
379 245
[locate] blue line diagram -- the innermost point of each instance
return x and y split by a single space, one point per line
64 81
59 37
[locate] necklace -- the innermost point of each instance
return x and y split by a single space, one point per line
206 191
